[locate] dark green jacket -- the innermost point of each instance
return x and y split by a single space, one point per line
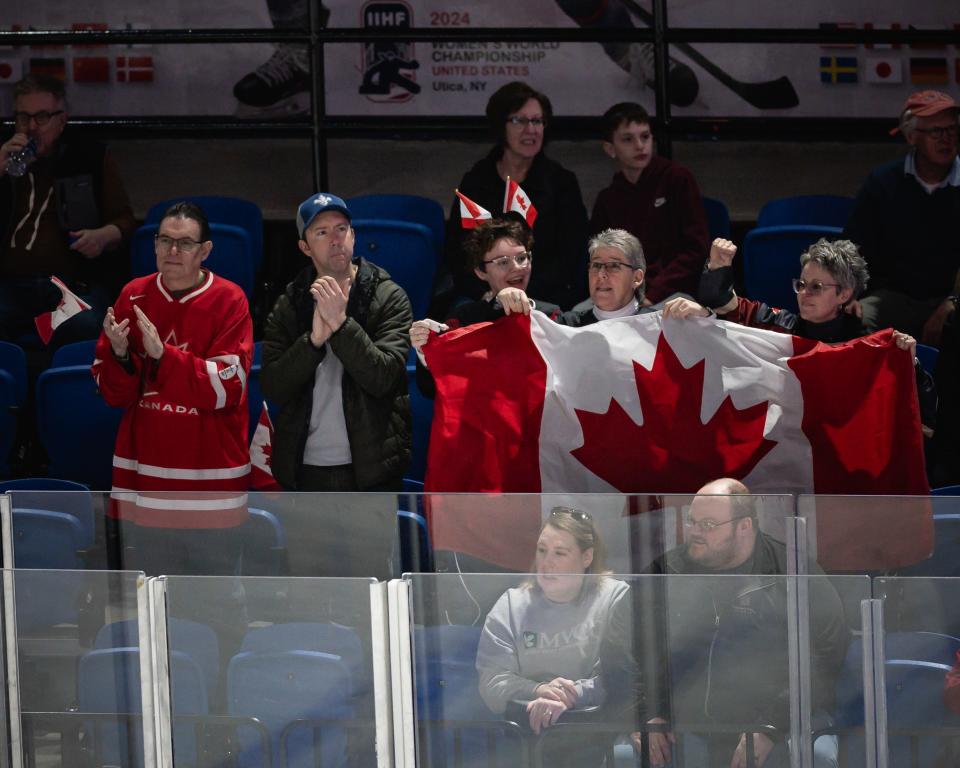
372 345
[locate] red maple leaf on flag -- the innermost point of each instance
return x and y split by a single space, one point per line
521 202
673 450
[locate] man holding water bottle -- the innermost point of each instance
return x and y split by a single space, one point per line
62 208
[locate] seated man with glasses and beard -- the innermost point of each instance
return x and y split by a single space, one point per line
712 644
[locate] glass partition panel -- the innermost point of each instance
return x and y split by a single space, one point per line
271 671
868 534
564 669
835 664
77 666
922 626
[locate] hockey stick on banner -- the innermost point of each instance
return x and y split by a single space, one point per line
770 94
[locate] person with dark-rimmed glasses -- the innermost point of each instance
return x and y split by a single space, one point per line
520 119
832 277
501 253
721 658
63 216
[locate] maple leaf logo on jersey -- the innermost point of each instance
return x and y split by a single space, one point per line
172 341
673 450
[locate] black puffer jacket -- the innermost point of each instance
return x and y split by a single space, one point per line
372 345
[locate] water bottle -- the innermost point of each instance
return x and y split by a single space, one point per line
18 161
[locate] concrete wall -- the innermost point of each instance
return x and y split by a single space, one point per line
277 173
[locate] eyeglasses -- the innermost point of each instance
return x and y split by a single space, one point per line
503 262
533 122
184 244
708 525
950 131
40 118
814 289
611 267
576 514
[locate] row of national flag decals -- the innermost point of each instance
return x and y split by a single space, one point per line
80 63
924 64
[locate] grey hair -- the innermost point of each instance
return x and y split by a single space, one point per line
908 123
842 259
627 244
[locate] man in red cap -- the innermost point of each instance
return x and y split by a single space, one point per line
905 222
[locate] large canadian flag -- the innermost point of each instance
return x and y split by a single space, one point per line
70 304
647 405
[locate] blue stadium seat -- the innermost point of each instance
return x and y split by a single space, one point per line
421 411
67 496
223 210
76 427
771 259
9 409
286 690
946 490
231 257
108 681
412 209
718 218
448 705
13 361
77 353
49 542
406 251
816 210
46 540
196 641
916 664
927 356
319 637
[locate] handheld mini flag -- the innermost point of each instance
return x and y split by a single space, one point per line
471 214
261 448
70 304
515 199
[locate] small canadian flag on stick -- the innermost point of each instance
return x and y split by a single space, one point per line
471 214
261 448
515 199
70 304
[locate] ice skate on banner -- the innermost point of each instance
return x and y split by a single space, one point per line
280 87
637 60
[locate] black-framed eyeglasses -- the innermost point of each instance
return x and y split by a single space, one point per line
610 267
814 288
708 525
503 262
40 118
533 122
939 132
184 244
576 514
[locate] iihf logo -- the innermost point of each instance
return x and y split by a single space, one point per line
389 67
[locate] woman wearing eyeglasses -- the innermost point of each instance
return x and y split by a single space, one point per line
832 276
519 118
541 641
501 254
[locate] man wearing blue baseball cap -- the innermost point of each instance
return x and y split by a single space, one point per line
334 361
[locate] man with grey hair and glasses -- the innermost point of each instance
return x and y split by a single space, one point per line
905 222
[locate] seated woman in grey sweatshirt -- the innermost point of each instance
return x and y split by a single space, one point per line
541 641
